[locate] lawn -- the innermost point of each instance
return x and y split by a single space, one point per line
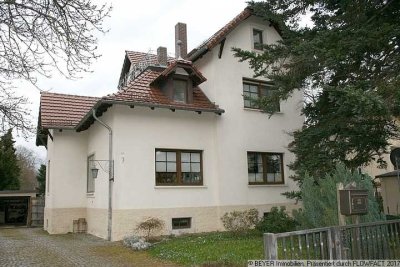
219 248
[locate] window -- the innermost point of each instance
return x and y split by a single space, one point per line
257 39
254 90
180 89
265 168
90 179
178 167
181 223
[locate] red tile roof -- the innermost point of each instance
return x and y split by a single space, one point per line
63 111
68 111
140 91
136 57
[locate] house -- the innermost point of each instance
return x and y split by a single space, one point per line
387 180
178 141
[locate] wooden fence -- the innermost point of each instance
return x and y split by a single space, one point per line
37 211
377 240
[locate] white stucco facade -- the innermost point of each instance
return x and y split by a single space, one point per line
137 132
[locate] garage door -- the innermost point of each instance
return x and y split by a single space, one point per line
13 210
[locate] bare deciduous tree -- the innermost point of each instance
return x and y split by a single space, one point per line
38 36
28 162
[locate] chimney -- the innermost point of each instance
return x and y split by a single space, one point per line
180 35
162 56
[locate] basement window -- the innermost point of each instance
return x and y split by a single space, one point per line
181 223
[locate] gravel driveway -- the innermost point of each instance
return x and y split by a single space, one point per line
34 247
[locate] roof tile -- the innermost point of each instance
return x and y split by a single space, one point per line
62 110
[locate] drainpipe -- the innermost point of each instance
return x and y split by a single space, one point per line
110 174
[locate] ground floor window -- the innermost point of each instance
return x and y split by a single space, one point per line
265 168
178 167
90 178
181 223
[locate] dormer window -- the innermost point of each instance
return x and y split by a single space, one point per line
180 90
257 39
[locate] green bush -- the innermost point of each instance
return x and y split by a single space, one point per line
277 221
319 198
240 221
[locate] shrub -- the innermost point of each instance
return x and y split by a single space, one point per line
136 243
150 227
240 221
319 198
277 221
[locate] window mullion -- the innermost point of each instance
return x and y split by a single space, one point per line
178 167
264 163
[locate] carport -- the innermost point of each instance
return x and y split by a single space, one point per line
16 207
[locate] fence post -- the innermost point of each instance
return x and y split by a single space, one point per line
337 242
270 247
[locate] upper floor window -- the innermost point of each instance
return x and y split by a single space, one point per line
257 39
265 168
178 167
180 90
254 90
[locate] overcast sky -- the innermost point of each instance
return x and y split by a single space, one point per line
138 26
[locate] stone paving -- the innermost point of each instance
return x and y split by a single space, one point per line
34 247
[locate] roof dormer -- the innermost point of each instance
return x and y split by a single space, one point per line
178 80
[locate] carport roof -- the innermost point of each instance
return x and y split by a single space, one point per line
389 174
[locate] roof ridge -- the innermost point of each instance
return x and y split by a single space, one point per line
74 95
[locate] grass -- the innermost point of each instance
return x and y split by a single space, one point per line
219 248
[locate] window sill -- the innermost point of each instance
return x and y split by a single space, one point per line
267 185
90 195
259 110
255 50
180 186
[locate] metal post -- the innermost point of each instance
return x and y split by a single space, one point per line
270 247
110 175
341 218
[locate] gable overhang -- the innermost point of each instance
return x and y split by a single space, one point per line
194 74
220 36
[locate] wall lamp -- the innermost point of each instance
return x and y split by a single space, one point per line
105 165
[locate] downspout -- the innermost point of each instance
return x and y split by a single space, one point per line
110 174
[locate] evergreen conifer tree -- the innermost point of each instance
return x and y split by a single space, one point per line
41 178
319 198
9 170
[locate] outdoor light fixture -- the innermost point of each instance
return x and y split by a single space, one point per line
94 171
106 168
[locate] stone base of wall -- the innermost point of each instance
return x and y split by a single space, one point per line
203 219
60 221
97 222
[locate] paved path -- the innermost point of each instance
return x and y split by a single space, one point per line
34 247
